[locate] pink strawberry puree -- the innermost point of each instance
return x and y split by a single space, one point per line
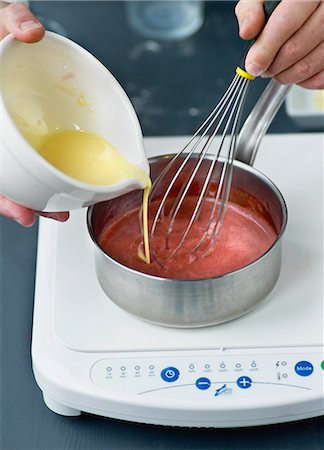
246 234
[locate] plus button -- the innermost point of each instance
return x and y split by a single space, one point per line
244 382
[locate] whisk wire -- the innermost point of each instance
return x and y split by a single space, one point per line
225 182
179 201
211 118
228 111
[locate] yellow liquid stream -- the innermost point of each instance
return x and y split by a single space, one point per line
89 158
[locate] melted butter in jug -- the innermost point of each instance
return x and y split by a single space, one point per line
89 158
82 155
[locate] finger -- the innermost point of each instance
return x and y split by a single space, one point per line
250 16
20 22
315 82
20 214
286 19
3 30
301 43
305 68
60 216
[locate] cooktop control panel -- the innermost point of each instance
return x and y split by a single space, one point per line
202 378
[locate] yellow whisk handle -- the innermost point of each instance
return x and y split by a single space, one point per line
244 74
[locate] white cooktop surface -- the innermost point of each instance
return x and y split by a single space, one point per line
84 319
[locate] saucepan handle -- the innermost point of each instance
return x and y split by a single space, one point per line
259 120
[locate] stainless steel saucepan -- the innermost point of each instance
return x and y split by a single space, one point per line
210 301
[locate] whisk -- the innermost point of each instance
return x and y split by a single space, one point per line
200 215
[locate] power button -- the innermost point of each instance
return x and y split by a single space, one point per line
170 374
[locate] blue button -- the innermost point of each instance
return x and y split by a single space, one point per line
170 374
244 382
304 368
203 383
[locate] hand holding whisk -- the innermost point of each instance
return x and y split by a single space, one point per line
188 217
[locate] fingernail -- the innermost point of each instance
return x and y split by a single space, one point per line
254 69
30 25
266 75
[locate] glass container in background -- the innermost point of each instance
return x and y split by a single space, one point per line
167 20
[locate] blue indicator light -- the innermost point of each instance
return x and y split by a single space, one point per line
170 374
203 383
244 382
304 368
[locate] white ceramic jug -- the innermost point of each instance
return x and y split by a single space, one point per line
59 78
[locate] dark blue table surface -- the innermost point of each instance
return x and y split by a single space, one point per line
165 82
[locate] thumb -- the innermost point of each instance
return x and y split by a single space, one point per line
20 22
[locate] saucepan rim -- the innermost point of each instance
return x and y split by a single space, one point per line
236 163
